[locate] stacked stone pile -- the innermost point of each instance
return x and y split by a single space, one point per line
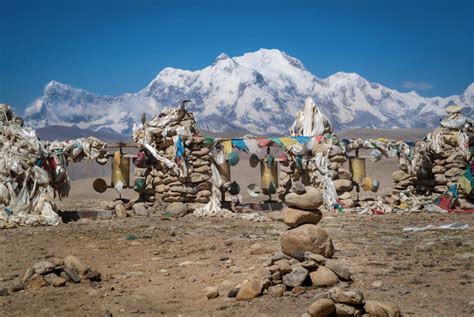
180 179
54 272
434 165
350 302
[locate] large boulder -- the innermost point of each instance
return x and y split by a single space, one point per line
295 217
312 199
307 237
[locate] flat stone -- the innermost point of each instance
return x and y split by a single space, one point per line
350 296
72 273
277 290
296 277
341 271
318 258
321 308
295 217
323 277
249 290
74 262
211 292
59 282
381 309
307 237
43 267
312 199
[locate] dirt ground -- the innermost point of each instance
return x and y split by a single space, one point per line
167 264
165 269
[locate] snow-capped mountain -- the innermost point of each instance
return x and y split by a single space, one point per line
258 93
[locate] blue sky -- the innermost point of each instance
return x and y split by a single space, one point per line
111 47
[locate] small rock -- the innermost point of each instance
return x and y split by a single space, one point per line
323 277
37 281
50 277
377 284
257 249
318 258
277 290
298 290
321 308
310 264
177 209
43 267
284 266
3 290
343 185
381 309
72 273
351 296
74 262
295 217
28 274
59 282
344 310
342 272
140 209
233 292
92 276
65 276
211 292
120 211
17 286
249 290
296 277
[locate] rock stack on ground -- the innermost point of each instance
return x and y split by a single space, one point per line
435 165
174 167
350 302
55 272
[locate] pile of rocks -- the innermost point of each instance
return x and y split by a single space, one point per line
54 272
434 165
177 171
350 302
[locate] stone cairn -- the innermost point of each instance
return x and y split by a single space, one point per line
176 172
54 272
434 165
305 263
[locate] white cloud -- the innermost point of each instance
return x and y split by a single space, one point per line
420 85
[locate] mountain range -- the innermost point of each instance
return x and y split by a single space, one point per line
257 93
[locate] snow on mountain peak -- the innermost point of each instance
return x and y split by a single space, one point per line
258 92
